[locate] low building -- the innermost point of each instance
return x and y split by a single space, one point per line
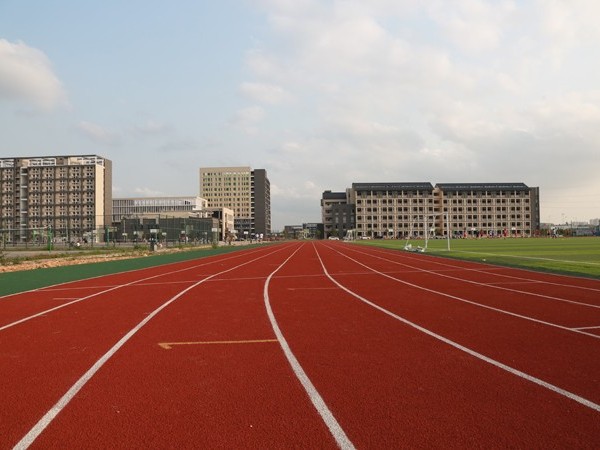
165 229
152 206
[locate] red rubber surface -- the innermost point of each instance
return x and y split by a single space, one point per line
222 380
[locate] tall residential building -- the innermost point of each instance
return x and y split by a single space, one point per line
67 197
397 210
245 190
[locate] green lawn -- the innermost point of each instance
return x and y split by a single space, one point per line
573 256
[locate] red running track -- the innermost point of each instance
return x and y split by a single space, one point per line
304 345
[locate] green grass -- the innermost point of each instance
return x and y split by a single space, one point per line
573 256
13 282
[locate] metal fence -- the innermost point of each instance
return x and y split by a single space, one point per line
160 228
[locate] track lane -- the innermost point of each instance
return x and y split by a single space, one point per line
581 290
567 312
233 389
559 356
391 386
388 385
50 353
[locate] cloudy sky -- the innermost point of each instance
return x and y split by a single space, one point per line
321 93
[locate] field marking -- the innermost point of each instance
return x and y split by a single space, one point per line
327 416
67 283
588 328
41 425
509 369
111 288
535 258
170 345
490 270
478 283
310 288
464 300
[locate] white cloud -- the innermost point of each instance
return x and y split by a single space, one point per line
98 133
26 75
247 119
147 192
264 93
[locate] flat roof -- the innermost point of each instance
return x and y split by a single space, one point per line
483 186
328 195
421 186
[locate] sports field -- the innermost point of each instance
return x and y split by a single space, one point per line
304 345
575 256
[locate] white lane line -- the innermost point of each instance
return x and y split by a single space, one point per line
588 328
491 270
464 300
327 416
311 289
534 258
37 429
477 283
467 350
67 283
112 288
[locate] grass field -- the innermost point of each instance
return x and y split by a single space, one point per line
573 256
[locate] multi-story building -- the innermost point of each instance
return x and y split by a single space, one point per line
490 209
337 213
395 210
245 190
66 197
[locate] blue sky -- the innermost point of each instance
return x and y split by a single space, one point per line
320 93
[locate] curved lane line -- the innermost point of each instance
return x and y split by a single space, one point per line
335 428
477 283
464 300
511 370
37 429
113 288
438 256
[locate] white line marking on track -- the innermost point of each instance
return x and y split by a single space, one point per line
464 300
588 328
467 350
477 283
111 288
33 434
311 289
334 427
491 270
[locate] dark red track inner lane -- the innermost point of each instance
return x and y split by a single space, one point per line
208 372
45 355
223 381
578 289
555 355
568 311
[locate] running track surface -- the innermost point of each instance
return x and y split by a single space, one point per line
304 345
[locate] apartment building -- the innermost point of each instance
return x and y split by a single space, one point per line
392 209
395 210
244 190
66 197
491 209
